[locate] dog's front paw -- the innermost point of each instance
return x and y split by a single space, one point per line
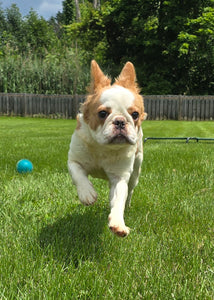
86 193
121 231
118 227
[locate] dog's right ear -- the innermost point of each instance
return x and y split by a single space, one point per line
98 79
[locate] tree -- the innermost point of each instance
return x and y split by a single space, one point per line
148 33
197 52
78 13
14 26
170 42
2 20
68 11
89 33
39 34
57 24
14 19
96 4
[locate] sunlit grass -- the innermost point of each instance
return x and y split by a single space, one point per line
52 247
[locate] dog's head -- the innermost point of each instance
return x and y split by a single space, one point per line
114 112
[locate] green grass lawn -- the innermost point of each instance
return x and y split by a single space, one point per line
52 247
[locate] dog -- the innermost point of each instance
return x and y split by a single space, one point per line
107 142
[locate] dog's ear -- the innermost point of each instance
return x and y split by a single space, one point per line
98 79
127 77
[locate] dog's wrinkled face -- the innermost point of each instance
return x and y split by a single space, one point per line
114 113
118 116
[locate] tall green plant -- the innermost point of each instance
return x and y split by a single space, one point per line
52 75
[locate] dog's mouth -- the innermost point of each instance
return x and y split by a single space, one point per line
120 138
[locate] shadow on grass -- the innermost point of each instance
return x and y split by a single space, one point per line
76 237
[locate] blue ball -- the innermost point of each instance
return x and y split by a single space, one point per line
24 166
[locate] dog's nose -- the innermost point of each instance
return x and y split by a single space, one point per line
119 123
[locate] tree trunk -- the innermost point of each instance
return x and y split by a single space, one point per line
96 4
78 14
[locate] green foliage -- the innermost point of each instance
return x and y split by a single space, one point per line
14 19
53 247
39 36
68 11
54 74
31 34
148 33
170 42
197 49
89 33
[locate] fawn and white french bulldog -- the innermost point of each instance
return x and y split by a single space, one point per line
107 142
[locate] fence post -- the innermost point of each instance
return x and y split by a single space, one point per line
180 105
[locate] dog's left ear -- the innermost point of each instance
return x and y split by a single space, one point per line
127 77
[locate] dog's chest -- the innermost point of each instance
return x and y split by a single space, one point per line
98 173
96 164
102 160
100 164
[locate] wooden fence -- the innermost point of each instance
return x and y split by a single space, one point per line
166 107
177 107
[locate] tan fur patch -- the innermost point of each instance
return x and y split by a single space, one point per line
139 103
78 123
138 106
90 110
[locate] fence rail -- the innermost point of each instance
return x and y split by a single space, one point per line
158 107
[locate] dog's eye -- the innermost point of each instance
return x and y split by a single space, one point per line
102 114
135 115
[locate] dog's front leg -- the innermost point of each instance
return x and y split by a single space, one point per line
85 189
118 195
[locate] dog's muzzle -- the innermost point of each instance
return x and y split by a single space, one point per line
120 134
